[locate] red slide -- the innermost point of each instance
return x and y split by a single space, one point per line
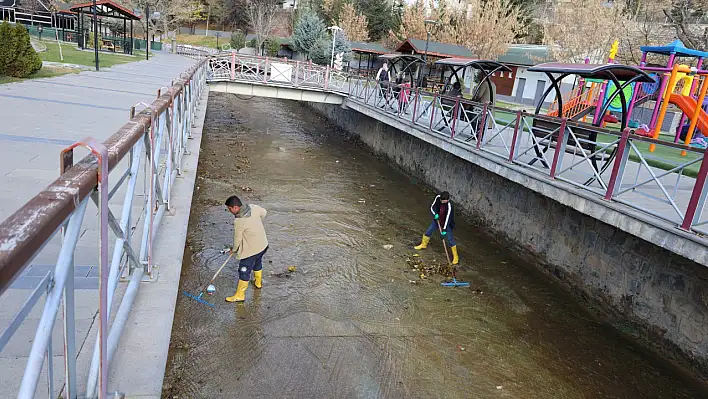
688 106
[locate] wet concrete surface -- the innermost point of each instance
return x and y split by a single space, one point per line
355 320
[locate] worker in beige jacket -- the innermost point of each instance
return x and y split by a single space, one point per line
250 242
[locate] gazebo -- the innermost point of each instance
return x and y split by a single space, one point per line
106 9
366 52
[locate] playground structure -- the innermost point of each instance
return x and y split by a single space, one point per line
673 84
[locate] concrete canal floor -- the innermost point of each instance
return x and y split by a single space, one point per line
355 320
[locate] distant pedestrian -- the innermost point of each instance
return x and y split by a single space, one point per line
384 78
250 244
443 219
404 96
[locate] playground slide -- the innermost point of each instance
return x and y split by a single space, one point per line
688 105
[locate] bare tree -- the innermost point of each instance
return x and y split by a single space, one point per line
584 30
486 27
354 24
262 17
688 18
644 28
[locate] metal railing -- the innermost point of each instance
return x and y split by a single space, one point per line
232 66
151 145
616 167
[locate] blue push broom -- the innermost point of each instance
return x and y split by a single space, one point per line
198 298
454 282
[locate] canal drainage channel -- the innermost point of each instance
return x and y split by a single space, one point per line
354 319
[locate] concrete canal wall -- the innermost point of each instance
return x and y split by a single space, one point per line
647 274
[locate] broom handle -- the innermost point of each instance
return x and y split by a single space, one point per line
449 263
219 271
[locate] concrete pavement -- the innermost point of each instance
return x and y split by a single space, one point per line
40 118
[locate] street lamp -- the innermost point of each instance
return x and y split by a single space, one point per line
95 33
427 39
334 29
150 18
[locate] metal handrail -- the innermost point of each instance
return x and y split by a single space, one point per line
62 205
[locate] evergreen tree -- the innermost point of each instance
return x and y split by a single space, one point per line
381 18
322 51
308 30
17 57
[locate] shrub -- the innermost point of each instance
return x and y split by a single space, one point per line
238 40
272 46
17 57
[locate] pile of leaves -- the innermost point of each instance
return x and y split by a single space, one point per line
425 269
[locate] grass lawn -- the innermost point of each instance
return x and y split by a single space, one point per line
201 40
72 55
45 72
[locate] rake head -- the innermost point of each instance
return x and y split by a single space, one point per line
198 298
455 283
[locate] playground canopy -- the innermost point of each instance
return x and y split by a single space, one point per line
676 48
486 67
403 63
621 75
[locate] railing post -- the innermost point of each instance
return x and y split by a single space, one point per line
698 196
560 148
621 158
482 125
454 118
415 105
233 65
432 116
326 78
265 71
515 138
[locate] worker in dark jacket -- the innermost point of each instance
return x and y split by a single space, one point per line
444 217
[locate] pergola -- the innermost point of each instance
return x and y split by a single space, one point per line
106 9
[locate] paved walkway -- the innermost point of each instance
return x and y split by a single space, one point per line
41 117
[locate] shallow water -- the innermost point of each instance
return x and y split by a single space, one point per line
350 322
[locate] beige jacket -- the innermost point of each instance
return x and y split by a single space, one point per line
249 233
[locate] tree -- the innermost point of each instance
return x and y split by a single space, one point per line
587 29
235 14
380 16
272 46
354 24
644 29
262 17
322 51
308 30
332 9
238 40
486 27
687 17
17 57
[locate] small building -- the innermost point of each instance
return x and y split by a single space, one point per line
520 85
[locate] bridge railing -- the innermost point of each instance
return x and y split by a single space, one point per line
140 163
618 167
232 66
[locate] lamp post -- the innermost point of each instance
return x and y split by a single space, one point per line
95 33
149 18
218 34
334 29
427 39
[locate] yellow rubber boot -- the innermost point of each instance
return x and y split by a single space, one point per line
455 258
258 278
240 294
423 243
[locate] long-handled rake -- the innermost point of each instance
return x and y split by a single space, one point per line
198 298
454 282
